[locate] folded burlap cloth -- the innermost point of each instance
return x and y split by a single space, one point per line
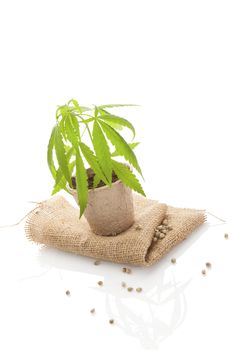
55 223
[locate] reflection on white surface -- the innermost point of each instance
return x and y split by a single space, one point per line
35 279
144 317
150 316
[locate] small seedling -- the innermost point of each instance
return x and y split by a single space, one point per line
68 152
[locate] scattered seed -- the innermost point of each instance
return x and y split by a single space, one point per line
100 283
173 261
139 290
67 292
169 228
165 222
226 236
130 289
92 311
138 227
157 233
97 262
162 235
123 284
126 270
155 239
203 272
160 227
208 265
111 321
164 231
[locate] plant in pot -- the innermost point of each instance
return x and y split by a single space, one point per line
82 152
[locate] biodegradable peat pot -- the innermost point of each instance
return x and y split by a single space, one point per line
110 210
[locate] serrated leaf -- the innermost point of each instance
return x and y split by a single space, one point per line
96 181
70 133
61 154
62 111
131 145
117 105
127 177
63 127
92 161
75 104
114 119
50 153
121 145
76 127
81 183
60 181
102 151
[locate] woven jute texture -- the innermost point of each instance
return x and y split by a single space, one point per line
55 222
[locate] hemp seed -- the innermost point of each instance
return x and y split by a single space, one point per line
173 261
123 284
208 265
164 231
226 236
130 289
68 292
92 311
126 270
203 272
97 262
100 283
111 321
139 290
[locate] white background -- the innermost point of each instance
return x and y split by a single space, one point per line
174 58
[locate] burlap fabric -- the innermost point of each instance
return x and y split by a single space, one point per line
55 223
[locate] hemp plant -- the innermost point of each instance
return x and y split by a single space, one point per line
67 152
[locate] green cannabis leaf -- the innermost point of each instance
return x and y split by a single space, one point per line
102 151
61 154
121 145
127 177
50 153
113 119
131 145
81 182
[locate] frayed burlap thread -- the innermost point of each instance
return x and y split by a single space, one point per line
55 223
